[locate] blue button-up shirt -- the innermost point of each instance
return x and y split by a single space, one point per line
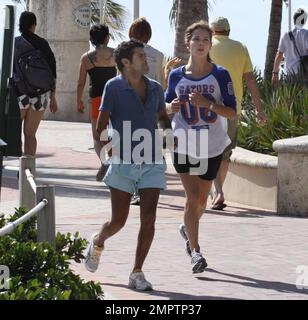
128 114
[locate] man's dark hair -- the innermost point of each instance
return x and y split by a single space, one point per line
300 13
26 21
98 34
125 50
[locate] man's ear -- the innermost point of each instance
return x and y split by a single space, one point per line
125 62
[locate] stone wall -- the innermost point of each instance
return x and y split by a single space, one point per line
292 176
68 40
252 179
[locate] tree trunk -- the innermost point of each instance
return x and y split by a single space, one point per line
188 13
273 37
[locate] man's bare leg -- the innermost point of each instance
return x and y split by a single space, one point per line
148 205
120 202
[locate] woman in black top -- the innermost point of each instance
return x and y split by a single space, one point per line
32 107
100 65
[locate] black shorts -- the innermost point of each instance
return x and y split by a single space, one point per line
207 168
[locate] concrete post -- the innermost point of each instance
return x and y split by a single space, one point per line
136 9
65 25
2 147
26 194
46 218
292 176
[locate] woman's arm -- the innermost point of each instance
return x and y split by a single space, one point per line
81 84
199 100
173 107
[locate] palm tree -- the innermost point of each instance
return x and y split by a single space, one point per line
115 16
273 36
183 14
24 2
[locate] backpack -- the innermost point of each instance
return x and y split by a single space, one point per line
32 74
303 61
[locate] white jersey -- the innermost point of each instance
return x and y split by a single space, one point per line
286 46
210 129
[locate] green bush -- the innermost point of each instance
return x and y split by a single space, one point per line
286 109
40 272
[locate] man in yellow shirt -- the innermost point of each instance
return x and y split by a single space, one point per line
233 56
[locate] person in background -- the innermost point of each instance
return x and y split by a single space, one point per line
100 65
290 50
32 107
233 56
141 30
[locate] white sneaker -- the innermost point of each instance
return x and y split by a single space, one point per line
137 281
198 262
93 255
183 233
135 200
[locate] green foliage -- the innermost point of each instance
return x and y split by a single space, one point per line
40 272
115 18
286 109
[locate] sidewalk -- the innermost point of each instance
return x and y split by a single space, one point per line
252 254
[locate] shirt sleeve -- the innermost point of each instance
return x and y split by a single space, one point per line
227 90
170 93
282 45
306 41
248 64
161 99
107 103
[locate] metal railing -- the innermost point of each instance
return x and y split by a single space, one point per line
11 226
40 199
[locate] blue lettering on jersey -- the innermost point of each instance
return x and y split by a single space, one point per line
190 113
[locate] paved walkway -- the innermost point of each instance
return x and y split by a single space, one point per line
252 254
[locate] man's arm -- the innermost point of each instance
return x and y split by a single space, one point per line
101 126
255 94
275 73
170 142
164 120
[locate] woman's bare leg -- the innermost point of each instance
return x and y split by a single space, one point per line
32 119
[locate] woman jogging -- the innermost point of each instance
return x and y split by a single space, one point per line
200 94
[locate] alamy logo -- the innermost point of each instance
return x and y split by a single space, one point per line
302 279
4 277
145 146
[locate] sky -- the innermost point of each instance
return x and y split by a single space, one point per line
249 22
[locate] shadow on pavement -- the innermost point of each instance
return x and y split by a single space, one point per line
162 205
254 283
167 294
81 191
241 214
173 193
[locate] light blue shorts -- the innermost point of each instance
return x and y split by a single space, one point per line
132 177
